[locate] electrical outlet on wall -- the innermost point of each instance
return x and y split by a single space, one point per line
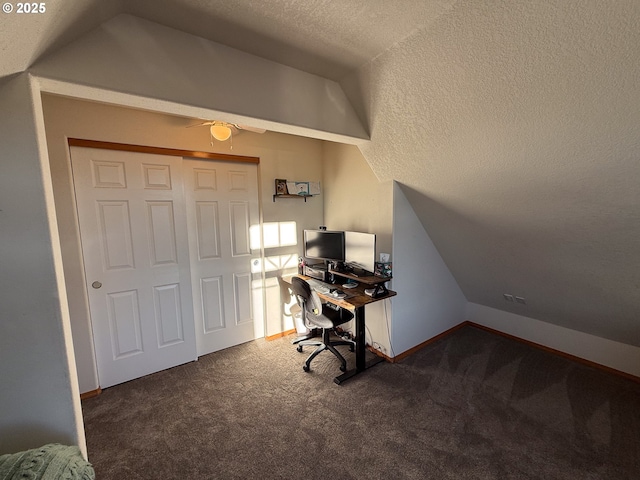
514 298
380 348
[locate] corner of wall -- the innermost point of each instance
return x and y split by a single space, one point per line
429 299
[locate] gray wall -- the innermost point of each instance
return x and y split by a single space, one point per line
39 401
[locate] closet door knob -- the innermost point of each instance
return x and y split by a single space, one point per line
96 285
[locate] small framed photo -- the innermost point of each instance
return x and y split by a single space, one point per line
281 187
302 188
383 269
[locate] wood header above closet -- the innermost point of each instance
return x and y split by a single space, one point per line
77 142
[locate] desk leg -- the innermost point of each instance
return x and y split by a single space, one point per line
361 344
361 347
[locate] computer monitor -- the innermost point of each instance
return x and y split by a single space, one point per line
324 245
360 250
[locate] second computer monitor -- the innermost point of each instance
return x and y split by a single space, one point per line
360 250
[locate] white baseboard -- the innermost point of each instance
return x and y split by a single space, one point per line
616 355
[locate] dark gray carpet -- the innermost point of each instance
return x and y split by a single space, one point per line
473 405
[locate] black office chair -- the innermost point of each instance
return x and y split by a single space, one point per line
317 315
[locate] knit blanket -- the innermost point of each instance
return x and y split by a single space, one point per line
50 462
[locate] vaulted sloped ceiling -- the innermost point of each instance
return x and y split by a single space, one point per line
513 127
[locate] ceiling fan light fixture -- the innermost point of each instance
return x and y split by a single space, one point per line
220 132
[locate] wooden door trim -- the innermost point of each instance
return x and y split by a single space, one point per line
174 152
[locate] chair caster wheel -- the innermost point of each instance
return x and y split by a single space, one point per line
305 368
299 348
343 368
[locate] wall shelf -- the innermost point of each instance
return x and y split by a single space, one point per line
285 189
287 195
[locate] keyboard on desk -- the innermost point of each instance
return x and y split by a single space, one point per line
319 286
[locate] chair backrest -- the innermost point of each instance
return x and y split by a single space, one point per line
307 298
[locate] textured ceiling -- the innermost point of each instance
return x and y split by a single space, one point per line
513 126
326 37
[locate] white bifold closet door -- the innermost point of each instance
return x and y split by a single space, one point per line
148 231
222 213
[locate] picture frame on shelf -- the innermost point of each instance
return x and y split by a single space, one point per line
302 188
314 188
281 187
383 269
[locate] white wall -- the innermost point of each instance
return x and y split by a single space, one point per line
429 300
281 156
39 401
616 355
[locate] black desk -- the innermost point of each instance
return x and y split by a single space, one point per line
356 302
